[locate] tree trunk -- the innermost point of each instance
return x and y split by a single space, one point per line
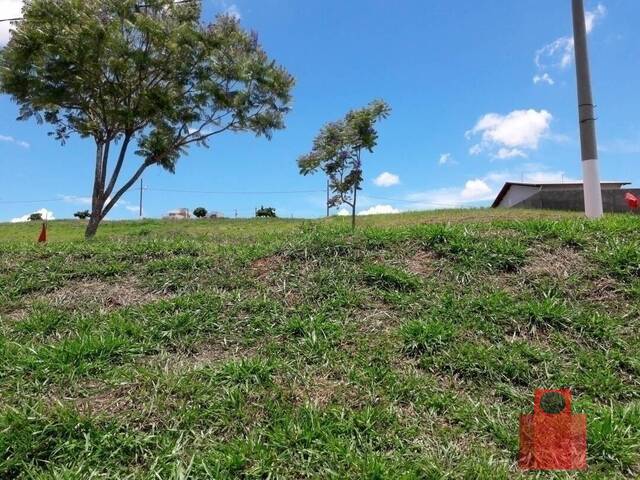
353 210
97 200
102 201
92 227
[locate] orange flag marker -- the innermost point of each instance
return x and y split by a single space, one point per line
43 234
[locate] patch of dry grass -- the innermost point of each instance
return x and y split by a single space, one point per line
99 294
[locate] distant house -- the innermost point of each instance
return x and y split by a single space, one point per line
216 215
560 196
178 214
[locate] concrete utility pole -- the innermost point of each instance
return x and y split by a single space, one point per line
590 173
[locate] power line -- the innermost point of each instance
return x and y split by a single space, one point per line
168 190
240 192
32 201
220 192
71 199
421 202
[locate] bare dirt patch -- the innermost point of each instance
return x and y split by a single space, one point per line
377 317
203 355
542 263
321 391
264 267
422 263
282 276
110 401
563 263
106 296
15 315
605 290
559 263
89 295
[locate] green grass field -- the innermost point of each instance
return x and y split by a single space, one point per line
294 349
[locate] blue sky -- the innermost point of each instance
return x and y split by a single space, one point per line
481 92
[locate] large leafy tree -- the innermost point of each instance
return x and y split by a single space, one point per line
149 76
337 151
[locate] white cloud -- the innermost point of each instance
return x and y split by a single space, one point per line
544 78
505 153
475 150
343 212
132 208
548 177
473 191
8 9
476 190
234 11
446 159
386 179
593 16
75 199
229 9
559 53
379 209
510 134
46 214
484 188
529 172
20 143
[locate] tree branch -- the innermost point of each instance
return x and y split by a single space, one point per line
186 140
105 161
97 187
118 167
124 188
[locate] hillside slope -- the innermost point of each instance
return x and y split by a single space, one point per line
239 349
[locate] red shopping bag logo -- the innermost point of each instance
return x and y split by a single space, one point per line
631 200
553 438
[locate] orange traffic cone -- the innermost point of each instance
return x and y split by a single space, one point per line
43 234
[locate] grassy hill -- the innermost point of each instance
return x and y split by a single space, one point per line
293 349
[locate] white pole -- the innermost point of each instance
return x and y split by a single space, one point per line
589 148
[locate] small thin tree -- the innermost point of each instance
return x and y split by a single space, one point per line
154 77
337 151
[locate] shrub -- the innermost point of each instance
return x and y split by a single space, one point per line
266 212
200 212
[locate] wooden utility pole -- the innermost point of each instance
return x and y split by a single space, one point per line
327 197
140 198
586 115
